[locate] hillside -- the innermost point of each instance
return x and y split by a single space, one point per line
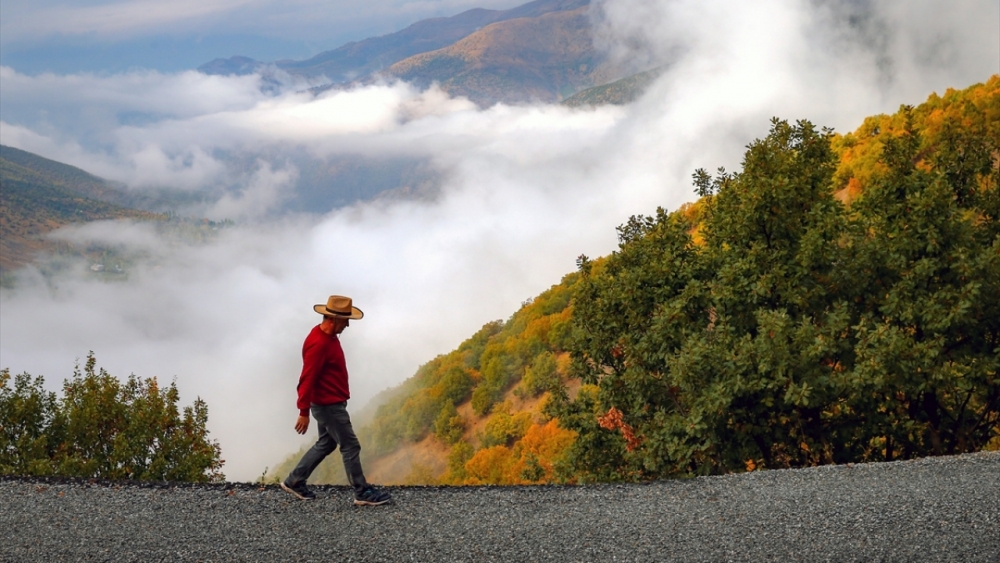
375 54
874 243
542 58
490 392
38 195
619 92
540 51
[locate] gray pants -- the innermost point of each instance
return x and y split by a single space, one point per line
334 429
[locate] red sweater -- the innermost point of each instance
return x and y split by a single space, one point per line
324 372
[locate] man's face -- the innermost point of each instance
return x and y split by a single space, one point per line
340 324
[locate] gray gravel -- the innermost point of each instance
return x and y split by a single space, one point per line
941 509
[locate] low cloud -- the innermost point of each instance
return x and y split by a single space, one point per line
521 191
263 191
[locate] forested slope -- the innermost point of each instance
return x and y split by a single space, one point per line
38 195
514 61
837 300
378 53
620 92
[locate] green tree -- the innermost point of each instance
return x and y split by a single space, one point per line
504 428
105 428
26 413
421 411
541 375
800 331
928 337
458 456
455 386
449 425
483 398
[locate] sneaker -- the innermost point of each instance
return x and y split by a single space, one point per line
371 497
300 490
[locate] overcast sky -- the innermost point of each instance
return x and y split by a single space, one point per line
523 190
119 35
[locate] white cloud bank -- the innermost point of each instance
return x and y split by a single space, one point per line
525 190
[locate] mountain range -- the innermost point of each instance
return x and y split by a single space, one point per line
540 51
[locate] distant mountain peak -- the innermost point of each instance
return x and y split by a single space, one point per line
237 65
347 62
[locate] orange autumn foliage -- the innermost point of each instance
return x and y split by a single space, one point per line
547 442
531 460
491 466
614 420
976 108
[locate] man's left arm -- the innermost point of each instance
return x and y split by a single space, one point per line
302 424
312 361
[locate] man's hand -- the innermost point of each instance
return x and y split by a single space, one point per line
302 424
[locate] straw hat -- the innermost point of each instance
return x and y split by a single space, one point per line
339 306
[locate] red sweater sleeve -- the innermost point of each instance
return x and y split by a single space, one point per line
313 358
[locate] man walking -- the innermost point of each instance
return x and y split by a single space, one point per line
323 389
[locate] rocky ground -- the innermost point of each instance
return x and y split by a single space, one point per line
940 509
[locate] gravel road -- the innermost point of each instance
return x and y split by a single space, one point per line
941 509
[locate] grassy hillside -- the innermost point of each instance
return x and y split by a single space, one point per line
40 170
583 382
38 195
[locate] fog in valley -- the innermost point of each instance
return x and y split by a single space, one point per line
496 203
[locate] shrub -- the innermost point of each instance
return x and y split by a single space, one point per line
104 428
541 375
449 425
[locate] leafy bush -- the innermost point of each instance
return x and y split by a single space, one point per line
26 415
449 425
459 455
504 428
104 428
541 375
532 459
799 331
483 398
